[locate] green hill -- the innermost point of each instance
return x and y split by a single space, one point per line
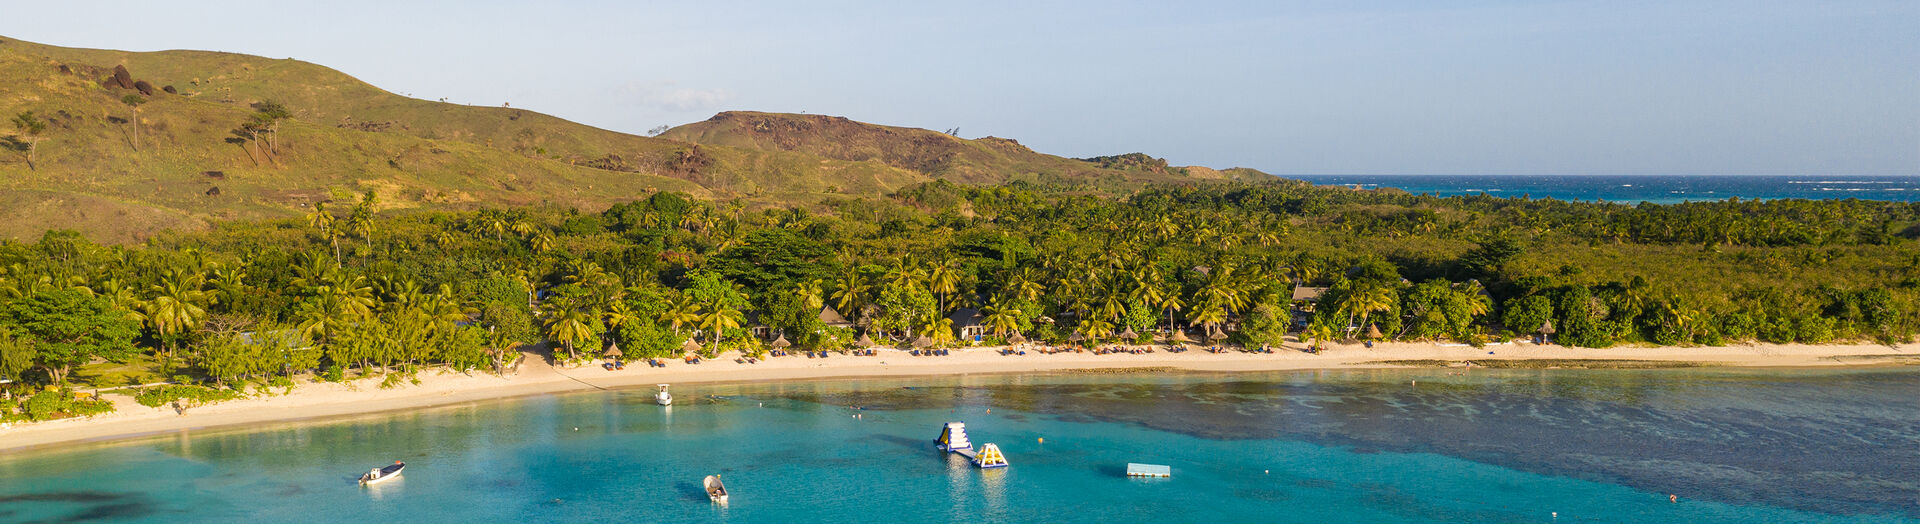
182 157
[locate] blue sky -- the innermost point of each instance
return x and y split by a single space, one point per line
1410 87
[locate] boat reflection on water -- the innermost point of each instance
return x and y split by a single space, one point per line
389 488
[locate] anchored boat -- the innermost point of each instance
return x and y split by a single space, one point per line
715 490
663 397
379 475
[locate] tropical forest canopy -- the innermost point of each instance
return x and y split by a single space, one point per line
347 290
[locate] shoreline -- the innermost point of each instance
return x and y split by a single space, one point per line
314 402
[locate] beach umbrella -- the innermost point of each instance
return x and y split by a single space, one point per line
1547 328
613 351
1180 335
780 343
1129 335
864 341
692 346
1016 338
922 341
1076 337
1373 331
1217 335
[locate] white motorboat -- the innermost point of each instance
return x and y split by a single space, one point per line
663 397
715 490
379 475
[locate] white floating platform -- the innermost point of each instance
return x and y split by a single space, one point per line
1148 470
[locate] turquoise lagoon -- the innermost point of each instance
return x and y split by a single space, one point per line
1327 446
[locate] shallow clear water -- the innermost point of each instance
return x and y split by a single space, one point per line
1508 446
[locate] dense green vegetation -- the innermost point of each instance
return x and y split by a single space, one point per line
347 292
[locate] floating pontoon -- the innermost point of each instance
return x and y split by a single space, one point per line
990 457
953 438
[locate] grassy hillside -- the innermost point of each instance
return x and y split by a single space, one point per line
181 159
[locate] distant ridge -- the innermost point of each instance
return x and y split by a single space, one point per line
987 160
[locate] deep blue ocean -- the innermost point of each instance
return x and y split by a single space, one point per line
1321 446
1636 189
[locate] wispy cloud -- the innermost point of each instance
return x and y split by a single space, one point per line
669 95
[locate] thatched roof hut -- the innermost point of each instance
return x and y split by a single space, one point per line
833 318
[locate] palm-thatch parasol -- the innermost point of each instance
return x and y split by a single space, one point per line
1180 335
1129 335
1547 327
613 351
1016 338
1076 337
922 341
1217 335
864 341
1373 331
692 346
781 342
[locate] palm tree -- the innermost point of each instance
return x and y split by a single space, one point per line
718 319
1112 306
1208 314
1316 333
904 273
1369 300
323 222
1096 329
939 329
849 290
540 242
568 326
1024 285
683 312
1171 304
943 279
496 224
999 319
812 294
176 308
1478 303
229 285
